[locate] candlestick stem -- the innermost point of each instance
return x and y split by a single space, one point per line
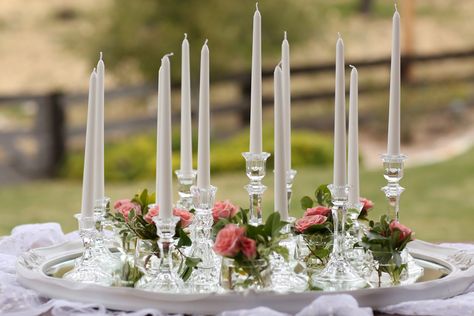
255 168
185 181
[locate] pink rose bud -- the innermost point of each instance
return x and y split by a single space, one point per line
224 209
152 212
318 210
125 206
366 204
185 217
404 231
249 247
227 240
306 222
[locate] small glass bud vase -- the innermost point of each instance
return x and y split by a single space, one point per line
390 269
255 275
255 168
185 181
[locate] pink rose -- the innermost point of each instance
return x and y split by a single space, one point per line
306 222
224 209
152 212
318 210
249 247
124 207
228 240
367 204
405 232
186 217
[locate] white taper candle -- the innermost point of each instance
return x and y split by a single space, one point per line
204 172
353 152
99 133
186 154
340 118
256 87
285 66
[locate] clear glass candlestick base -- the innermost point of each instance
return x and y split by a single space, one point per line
290 178
284 278
87 268
205 277
165 279
255 168
338 275
185 181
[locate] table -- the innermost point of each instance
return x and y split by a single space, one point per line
17 300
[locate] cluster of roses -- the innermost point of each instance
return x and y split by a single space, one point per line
231 240
404 231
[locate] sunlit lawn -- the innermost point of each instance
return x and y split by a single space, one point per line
438 202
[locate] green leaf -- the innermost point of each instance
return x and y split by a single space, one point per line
306 202
323 195
184 240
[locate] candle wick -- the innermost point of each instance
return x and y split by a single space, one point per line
100 55
205 42
396 7
256 5
352 66
93 70
339 34
185 35
168 55
279 64
285 34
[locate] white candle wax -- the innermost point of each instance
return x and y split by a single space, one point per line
393 145
87 208
353 160
204 172
280 194
256 88
99 133
165 188
158 132
285 65
340 119
186 131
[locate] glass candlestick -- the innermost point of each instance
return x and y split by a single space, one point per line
205 277
255 168
165 279
338 274
87 268
290 178
185 181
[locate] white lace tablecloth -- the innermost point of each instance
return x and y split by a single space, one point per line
17 300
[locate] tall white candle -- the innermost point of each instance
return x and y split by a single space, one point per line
99 133
353 160
340 119
280 194
393 146
158 132
285 65
204 172
165 188
256 87
186 133
87 208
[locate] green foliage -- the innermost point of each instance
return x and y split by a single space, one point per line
134 158
137 33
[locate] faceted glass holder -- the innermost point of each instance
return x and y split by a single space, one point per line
87 268
255 168
393 173
290 178
205 277
338 274
185 181
165 280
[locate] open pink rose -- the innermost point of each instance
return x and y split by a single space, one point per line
124 207
248 247
318 210
152 212
224 209
366 204
185 217
306 222
228 240
404 231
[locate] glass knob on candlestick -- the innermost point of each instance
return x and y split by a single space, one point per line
185 181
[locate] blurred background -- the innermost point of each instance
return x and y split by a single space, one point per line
49 47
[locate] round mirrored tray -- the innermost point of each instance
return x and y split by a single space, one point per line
447 272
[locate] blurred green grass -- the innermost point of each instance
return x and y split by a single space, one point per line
438 202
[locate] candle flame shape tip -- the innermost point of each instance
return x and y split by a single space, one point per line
93 70
185 35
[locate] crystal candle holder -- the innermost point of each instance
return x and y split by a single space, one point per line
290 178
338 275
87 268
165 279
393 173
255 168
205 277
185 181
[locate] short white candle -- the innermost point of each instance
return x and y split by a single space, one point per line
165 188
393 145
340 118
280 194
87 207
204 172
256 87
99 134
285 66
353 160
186 154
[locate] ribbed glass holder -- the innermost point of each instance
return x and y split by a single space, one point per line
205 277
185 181
87 268
393 172
338 275
255 168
